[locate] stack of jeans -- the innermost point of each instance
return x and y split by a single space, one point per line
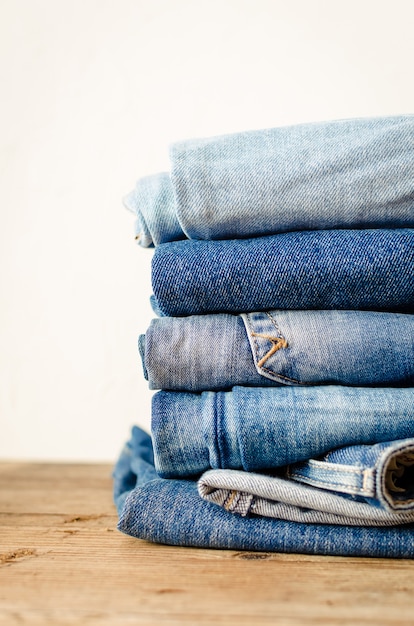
283 350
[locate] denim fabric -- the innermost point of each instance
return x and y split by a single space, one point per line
152 196
250 493
219 351
257 428
356 173
381 474
172 512
331 269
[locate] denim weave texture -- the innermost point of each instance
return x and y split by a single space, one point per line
257 428
172 512
355 173
336 269
283 348
220 351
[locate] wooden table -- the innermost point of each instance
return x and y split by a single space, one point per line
62 562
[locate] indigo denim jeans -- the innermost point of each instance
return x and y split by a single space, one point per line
219 351
325 269
355 173
258 428
172 512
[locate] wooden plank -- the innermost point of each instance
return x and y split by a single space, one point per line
45 488
63 562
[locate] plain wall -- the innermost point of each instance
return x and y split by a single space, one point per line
92 93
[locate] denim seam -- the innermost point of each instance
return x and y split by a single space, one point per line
284 345
216 428
269 371
278 344
252 506
352 490
341 467
366 476
234 502
237 505
231 499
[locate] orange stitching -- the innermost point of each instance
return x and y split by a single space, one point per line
229 502
278 343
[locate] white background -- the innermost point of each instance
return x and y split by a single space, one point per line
92 93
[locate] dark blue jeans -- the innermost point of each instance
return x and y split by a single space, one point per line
330 269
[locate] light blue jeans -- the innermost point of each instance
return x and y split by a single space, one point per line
219 351
258 428
355 485
325 269
355 173
172 512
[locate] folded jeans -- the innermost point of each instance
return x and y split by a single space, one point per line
354 173
354 485
262 428
326 269
172 512
219 351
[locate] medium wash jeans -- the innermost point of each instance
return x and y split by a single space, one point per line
172 512
354 485
325 269
219 351
262 428
355 173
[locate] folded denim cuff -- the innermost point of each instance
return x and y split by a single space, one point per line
382 474
198 353
190 435
395 477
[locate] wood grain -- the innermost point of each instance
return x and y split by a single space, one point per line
63 562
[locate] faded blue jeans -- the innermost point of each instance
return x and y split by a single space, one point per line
355 173
262 428
354 485
219 351
172 512
325 269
